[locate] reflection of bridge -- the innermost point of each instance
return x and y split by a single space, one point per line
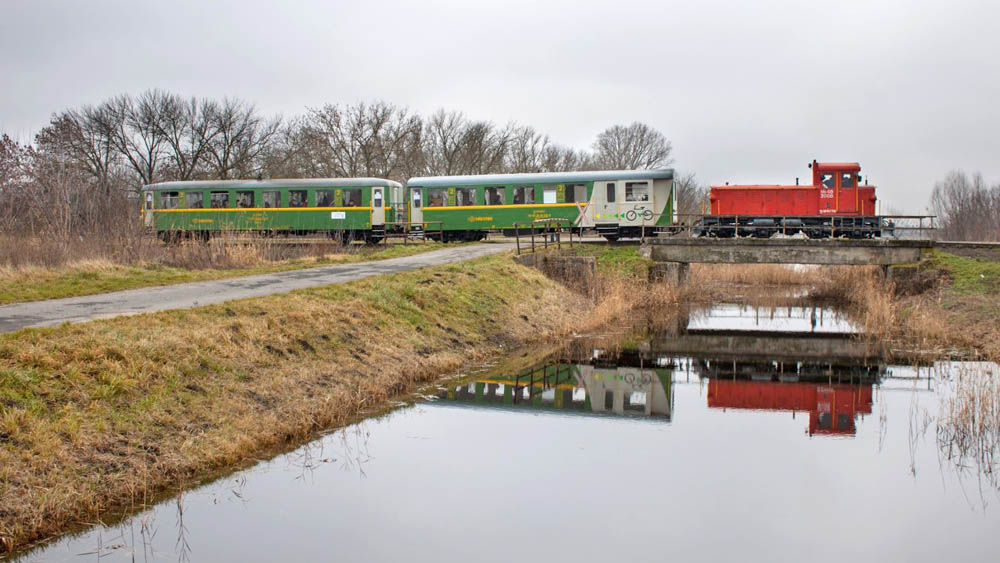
832 408
581 388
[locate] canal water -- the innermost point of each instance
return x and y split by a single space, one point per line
745 433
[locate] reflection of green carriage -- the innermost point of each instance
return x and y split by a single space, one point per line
617 203
345 207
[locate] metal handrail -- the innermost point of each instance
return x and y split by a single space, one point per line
550 226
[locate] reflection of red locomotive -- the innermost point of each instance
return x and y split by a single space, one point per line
832 408
835 204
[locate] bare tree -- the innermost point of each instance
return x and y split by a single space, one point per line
966 208
242 139
189 128
85 137
376 139
689 196
633 147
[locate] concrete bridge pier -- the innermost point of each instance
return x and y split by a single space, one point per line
673 273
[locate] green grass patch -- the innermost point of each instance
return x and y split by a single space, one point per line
616 258
968 276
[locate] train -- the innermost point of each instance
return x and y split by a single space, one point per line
615 204
836 204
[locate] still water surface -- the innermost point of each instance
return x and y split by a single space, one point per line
608 451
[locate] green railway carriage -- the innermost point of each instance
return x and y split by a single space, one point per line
617 203
355 208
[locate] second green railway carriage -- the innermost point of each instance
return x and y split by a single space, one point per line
616 203
351 208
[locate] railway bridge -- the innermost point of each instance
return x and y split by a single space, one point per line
675 254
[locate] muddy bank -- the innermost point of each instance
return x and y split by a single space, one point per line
105 416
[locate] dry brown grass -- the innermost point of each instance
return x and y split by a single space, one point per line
968 426
96 417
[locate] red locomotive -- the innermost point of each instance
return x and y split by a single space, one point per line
835 204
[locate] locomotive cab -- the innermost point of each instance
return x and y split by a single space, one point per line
840 187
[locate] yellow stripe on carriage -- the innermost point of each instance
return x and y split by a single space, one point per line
511 206
244 209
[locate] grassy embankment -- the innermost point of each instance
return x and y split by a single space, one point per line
189 262
945 304
103 416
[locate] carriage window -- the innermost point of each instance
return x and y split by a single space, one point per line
377 197
494 196
437 197
297 198
827 180
194 200
169 200
847 180
220 200
637 191
576 193
465 196
524 195
352 197
244 199
271 199
416 198
612 197
149 200
548 194
324 198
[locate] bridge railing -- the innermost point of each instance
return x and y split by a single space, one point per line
550 231
822 226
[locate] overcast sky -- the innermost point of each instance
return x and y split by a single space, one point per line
746 91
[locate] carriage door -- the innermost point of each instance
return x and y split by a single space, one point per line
848 201
148 210
378 206
416 206
606 202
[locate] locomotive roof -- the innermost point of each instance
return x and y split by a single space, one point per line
540 177
276 183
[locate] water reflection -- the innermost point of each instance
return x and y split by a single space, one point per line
429 478
785 319
623 390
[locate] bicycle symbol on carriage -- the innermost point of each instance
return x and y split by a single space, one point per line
633 214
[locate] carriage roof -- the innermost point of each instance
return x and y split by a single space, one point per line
274 184
541 177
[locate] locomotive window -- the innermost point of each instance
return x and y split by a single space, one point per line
494 196
352 197
437 197
576 193
465 196
170 200
271 199
244 199
827 180
194 200
324 198
847 180
524 195
611 192
297 198
637 191
220 200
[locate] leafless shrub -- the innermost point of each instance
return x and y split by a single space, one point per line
967 209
